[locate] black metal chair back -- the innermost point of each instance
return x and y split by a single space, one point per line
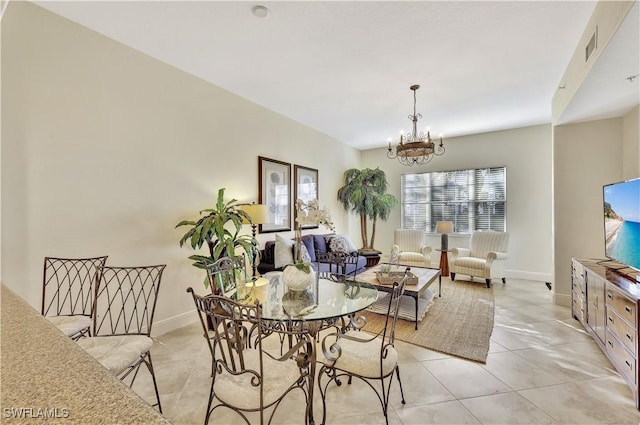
68 285
226 273
125 300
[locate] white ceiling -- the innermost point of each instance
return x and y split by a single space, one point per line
345 67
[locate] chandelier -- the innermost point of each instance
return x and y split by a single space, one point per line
416 148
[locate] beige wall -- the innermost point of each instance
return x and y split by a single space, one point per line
586 157
104 150
526 152
631 144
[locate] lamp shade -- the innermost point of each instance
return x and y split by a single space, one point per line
444 226
259 213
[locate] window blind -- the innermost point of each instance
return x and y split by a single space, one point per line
473 199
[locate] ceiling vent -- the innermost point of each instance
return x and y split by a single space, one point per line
591 45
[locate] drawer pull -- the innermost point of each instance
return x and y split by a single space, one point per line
629 337
627 309
628 364
609 295
610 319
610 344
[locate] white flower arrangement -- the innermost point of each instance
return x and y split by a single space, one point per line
309 214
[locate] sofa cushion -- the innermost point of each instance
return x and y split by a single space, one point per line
268 253
320 244
283 254
309 243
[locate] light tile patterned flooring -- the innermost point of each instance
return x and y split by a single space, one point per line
542 368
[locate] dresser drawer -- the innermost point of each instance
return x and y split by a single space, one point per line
623 306
625 362
625 332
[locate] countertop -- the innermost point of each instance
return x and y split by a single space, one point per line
45 377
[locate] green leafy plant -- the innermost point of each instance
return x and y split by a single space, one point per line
364 193
219 228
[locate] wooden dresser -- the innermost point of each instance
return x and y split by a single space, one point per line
606 303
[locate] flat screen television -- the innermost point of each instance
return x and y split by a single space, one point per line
622 222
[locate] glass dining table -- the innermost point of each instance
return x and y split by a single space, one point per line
335 301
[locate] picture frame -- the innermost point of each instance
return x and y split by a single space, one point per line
305 187
274 182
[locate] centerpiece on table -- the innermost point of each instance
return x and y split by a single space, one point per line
300 278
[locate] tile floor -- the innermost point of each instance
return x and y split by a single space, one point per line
542 368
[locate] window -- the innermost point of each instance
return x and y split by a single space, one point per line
473 199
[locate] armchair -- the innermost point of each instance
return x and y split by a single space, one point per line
409 247
485 258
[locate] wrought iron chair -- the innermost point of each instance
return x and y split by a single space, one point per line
124 307
338 262
227 274
368 358
67 293
245 377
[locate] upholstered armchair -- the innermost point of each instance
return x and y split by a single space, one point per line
410 249
485 258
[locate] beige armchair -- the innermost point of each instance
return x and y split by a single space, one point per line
409 247
485 258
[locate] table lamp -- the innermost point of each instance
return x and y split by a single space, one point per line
444 227
259 215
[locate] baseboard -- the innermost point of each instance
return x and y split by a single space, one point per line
520 274
176 322
561 299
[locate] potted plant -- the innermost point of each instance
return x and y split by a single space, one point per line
364 193
219 228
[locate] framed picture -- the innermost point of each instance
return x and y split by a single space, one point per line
274 180
306 186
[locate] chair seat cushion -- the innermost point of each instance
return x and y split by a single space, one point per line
70 325
238 391
117 352
412 256
363 358
471 262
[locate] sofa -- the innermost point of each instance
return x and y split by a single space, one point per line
322 251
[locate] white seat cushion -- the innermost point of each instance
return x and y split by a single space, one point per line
363 359
471 262
412 256
116 353
70 325
238 391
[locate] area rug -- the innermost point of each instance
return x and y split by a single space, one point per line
459 323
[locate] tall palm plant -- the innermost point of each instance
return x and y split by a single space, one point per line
364 193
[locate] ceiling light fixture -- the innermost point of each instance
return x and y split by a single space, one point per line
416 148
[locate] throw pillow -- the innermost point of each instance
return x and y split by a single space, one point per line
350 246
341 243
283 253
305 257
338 244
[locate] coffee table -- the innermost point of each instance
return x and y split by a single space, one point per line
426 276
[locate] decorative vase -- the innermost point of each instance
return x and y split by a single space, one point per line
299 283
298 278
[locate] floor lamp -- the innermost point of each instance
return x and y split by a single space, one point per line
259 214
